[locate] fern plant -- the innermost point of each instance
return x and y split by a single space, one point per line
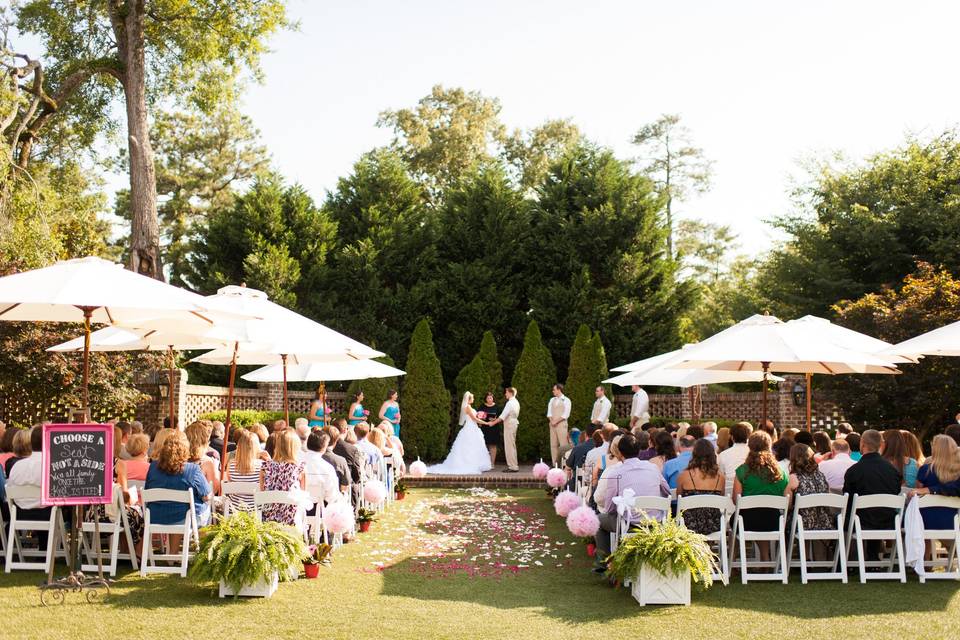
666 547
242 551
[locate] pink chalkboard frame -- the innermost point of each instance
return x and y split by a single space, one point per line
49 430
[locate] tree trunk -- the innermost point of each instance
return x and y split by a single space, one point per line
145 229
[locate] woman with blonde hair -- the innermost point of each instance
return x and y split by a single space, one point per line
941 469
283 473
198 434
601 472
158 441
723 438
244 467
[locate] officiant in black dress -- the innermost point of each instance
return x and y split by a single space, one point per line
492 434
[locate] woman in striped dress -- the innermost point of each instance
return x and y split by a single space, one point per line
244 467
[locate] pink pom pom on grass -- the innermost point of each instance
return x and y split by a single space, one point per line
583 522
556 478
338 518
374 491
540 470
565 502
417 469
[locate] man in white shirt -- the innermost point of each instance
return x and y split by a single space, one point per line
710 432
303 432
29 472
558 412
834 468
319 471
594 455
510 417
729 459
601 408
369 450
639 408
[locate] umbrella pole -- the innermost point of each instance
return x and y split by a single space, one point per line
286 404
809 402
87 314
766 370
170 387
226 429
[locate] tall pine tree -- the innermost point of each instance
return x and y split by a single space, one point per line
533 378
426 401
582 377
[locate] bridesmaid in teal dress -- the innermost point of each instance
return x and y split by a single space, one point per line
390 411
318 409
355 413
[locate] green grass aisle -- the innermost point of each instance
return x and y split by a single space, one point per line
456 564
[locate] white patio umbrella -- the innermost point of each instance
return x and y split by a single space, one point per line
765 343
848 339
325 372
92 290
278 336
944 341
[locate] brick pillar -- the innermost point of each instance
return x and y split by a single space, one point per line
156 385
273 393
786 414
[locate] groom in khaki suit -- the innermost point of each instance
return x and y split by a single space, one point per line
509 416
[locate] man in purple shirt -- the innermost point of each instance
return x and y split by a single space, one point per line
642 476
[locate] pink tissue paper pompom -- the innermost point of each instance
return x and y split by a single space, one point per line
583 522
374 491
556 478
565 502
540 470
338 518
417 469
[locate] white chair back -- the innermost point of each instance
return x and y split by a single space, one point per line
118 525
779 568
16 552
837 566
724 505
858 534
188 528
236 489
943 562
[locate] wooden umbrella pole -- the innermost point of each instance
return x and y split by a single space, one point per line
87 314
766 370
809 377
173 416
286 404
226 429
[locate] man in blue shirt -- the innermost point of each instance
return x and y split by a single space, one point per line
672 468
578 455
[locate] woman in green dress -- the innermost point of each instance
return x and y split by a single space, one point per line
760 475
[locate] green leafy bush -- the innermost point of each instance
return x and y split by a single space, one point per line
242 551
666 547
582 377
484 373
533 376
247 417
426 401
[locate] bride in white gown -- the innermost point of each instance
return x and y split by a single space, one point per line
468 455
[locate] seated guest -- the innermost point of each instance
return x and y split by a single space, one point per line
672 468
790 434
592 460
643 441
244 466
843 430
769 429
28 472
695 431
759 475
172 470
279 426
338 463
283 473
853 440
870 476
804 437
125 428
723 438
894 450
821 445
953 431
730 459
136 427
701 477
835 468
351 454
6 445
101 513
603 471
271 444
217 434
372 454
806 478
663 442
319 471
198 435
138 464
158 440
641 476
781 451
939 475
262 433
21 449
300 425
914 449
393 441
710 432
578 455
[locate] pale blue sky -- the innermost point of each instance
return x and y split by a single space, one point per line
761 84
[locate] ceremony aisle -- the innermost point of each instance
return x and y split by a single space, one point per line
469 564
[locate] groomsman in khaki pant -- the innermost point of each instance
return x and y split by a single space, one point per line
509 416
558 412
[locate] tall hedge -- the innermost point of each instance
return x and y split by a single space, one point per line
483 373
600 355
426 401
582 377
533 377
374 390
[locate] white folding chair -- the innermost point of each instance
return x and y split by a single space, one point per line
950 538
741 536
187 528
315 527
236 489
855 531
638 508
114 529
3 537
52 526
838 565
265 498
724 505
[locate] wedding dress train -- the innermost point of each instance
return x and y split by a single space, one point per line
468 455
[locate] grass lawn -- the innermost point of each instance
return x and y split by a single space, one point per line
477 567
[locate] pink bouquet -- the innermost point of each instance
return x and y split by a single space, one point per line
540 470
366 412
481 415
556 478
565 502
583 522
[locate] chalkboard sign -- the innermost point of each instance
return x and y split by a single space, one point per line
77 464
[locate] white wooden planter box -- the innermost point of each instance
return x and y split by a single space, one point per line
262 589
653 587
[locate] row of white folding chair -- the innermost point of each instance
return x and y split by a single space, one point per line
725 508
187 528
17 554
115 528
951 563
837 506
856 533
740 536
638 508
